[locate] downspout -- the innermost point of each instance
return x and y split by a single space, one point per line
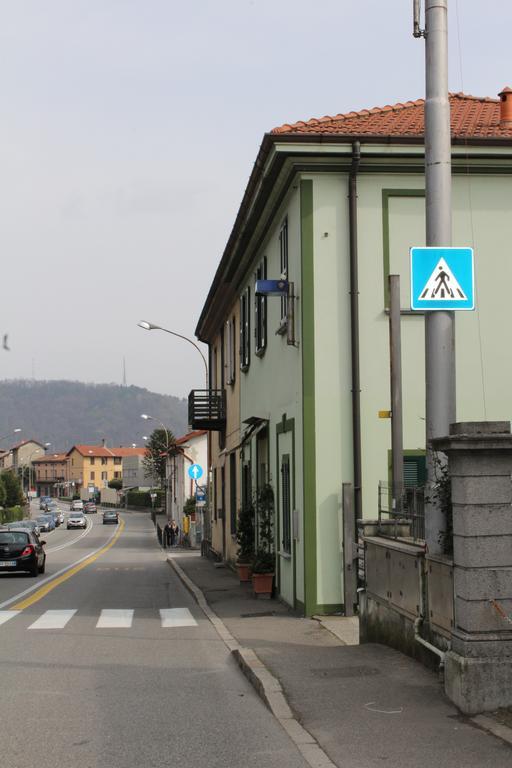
354 328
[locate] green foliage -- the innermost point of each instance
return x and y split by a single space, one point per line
264 560
115 483
157 446
11 514
245 534
3 493
143 498
13 490
190 506
442 498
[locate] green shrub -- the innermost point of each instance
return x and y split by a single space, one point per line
11 514
143 498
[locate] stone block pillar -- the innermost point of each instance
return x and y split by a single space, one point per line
478 668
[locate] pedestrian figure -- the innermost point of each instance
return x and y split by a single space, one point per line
167 537
174 533
442 284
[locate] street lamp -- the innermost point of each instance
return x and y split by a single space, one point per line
4 437
146 417
152 327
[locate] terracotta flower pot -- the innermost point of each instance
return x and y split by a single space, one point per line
262 583
244 571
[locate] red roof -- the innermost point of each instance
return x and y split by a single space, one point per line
56 457
104 451
471 117
190 436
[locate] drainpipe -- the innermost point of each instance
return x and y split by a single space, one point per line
354 327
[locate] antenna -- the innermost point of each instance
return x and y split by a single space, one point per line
124 371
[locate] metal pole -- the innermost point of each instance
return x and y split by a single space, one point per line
395 353
440 325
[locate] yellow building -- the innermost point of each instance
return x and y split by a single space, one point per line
94 466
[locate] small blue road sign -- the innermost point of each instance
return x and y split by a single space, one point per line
271 288
200 494
195 471
442 278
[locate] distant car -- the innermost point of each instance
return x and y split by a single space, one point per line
76 520
57 514
21 550
90 507
110 516
76 505
43 501
30 525
45 522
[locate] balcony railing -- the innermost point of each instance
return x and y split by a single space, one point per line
207 409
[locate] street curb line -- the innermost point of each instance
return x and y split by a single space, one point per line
263 681
497 729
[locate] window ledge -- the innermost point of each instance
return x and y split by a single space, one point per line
285 555
407 311
244 368
261 351
282 328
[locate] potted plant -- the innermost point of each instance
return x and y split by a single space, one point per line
263 566
245 541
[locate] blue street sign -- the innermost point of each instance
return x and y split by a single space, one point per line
195 471
442 278
200 494
271 288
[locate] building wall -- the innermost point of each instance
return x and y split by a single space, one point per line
83 472
223 528
134 474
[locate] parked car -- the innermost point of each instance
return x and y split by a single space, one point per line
76 520
76 504
21 550
45 522
90 507
43 501
30 525
110 516
57 514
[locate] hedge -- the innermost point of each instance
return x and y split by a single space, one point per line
143 499
11 514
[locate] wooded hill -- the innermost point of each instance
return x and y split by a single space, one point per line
67 412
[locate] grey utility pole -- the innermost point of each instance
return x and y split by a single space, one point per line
439 325
395 348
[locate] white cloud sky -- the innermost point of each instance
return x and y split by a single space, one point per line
128 131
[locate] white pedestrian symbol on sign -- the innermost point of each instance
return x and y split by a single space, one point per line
442 285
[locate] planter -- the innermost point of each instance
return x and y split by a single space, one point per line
262 584
244 571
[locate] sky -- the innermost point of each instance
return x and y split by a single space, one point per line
128 131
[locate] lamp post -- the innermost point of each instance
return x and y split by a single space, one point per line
152 327
28 464
147 417
4 437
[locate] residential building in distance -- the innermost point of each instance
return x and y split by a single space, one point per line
51 474
91 467
333 206
135 475
187 450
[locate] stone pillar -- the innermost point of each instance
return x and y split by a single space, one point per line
478 668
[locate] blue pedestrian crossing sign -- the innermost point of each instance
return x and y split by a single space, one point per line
195 471
442 278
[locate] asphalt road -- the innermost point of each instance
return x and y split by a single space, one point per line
111 663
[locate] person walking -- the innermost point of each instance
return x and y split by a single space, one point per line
174 533
167 537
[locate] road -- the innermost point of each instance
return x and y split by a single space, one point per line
108 661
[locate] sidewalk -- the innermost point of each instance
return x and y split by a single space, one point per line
364 705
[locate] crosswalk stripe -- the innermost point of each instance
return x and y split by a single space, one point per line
115 618
6 615
53 619
177 617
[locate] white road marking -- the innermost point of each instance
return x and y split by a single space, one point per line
177 617
115 618
73 541
6 615
53 620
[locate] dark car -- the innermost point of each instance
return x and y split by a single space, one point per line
45 522
90 507
55 512
21 550
110 516
43 501
31 525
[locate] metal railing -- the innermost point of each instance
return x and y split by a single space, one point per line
207 409
401 515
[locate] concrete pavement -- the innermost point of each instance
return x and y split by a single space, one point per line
364 706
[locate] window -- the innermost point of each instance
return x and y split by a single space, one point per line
117 475
283 259
229 335
103 475
92 475
285 503
215 493
104 460
245 328
232 492
260 311
118 460
91 460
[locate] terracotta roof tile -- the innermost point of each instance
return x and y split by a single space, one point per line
102 451
56 457
471 117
